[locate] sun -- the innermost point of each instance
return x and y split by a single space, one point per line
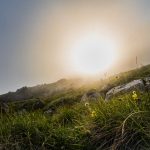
94 54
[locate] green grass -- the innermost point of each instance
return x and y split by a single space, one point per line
119 124
36 130
124 77
122 125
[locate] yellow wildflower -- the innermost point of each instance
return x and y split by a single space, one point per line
93 114
134 95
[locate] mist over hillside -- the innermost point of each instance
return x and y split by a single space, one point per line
43 91
63 86
73 114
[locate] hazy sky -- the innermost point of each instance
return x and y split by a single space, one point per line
36 36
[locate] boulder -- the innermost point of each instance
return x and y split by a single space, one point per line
91 95
49 111
38 105
147 83
133 85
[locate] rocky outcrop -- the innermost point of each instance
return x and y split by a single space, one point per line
91 95
133 85
49 111
147 83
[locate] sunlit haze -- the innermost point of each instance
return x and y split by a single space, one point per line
94 53
44 41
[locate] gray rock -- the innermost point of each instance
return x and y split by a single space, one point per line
38 105
91 95
49 111
147 83
133 85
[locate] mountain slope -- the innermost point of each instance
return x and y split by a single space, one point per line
42 91
64 122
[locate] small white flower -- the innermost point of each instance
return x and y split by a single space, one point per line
86 104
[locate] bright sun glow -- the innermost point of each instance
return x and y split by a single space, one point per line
94 54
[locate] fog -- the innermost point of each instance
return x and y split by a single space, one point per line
37 37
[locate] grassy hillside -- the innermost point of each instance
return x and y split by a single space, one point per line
72 125
42 91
